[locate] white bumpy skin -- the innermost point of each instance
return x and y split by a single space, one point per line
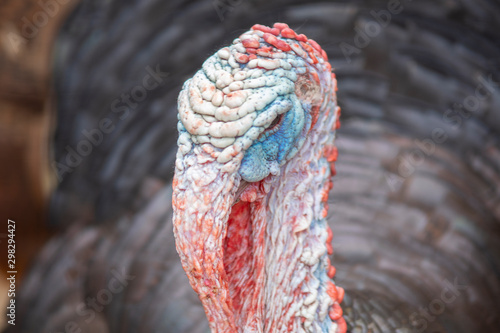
257 126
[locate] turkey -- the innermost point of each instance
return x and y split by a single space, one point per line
414 205
252 175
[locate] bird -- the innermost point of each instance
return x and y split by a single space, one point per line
256 152
414 203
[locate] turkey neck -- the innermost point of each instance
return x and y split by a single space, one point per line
277 245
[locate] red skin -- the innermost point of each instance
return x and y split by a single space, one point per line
243 261
278 43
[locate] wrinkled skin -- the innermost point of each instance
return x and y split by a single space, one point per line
256 128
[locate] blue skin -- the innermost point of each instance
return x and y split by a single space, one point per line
272 148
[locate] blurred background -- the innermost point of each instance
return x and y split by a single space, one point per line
416 197
27 34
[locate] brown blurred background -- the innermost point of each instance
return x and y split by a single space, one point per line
27 32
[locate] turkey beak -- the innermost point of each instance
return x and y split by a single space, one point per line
203 194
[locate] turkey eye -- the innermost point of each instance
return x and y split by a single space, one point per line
275 122
272 128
